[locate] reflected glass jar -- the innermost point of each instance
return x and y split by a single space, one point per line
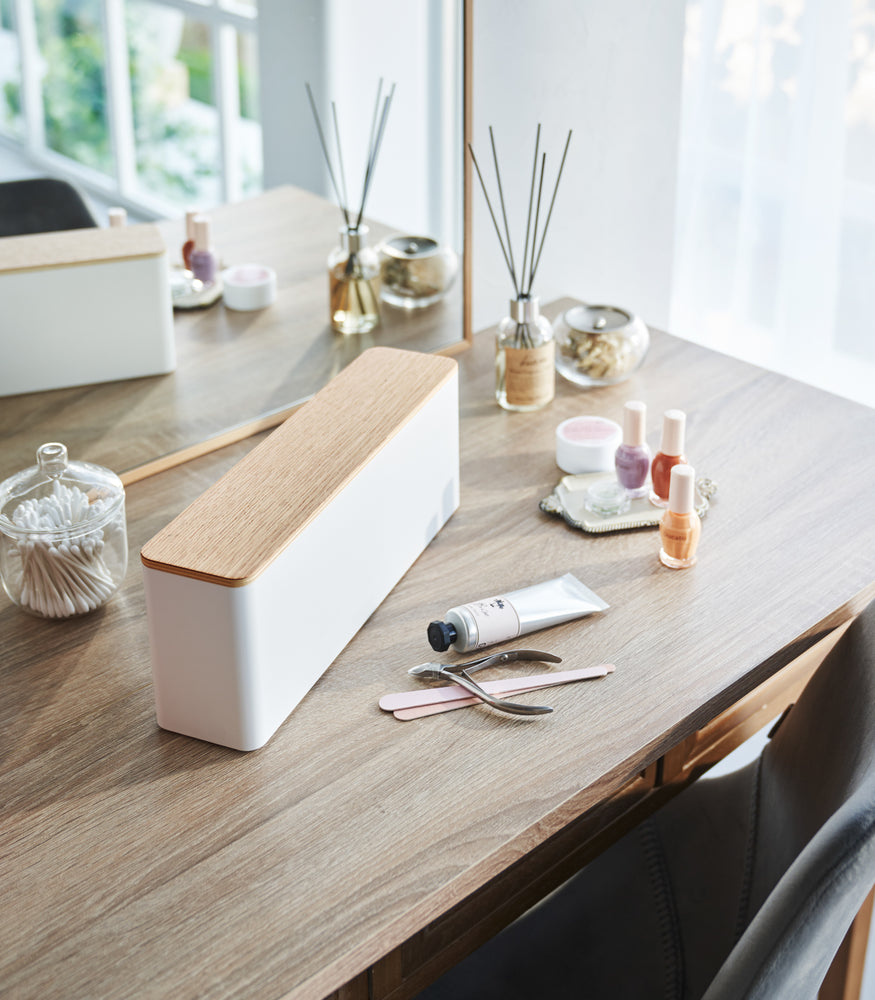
354 283
599 345
63 536
415 271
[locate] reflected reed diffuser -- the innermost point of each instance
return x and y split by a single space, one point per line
525 377
353 266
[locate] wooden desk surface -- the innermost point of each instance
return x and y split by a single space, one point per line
138 863
232 367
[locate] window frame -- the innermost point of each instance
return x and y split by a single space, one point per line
224 20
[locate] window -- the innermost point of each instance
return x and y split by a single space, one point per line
154 102
775 243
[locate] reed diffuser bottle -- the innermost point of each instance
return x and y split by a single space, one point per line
354 283
525 375
353 267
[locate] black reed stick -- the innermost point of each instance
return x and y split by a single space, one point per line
531 196
372 133
325 151
503 212
375 141
522 288
372 159
494 222
537 216
340 158
550 212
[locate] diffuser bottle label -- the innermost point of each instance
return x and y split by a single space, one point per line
496 619
529 377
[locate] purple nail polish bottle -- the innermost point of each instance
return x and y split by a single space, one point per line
632 459
203 260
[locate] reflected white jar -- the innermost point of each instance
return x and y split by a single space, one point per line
415 271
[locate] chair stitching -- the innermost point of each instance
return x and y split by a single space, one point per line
666 912
743 915
824 883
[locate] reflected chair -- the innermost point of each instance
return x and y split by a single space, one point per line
741 887
41 205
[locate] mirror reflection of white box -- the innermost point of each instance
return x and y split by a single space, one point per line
83 306
258 585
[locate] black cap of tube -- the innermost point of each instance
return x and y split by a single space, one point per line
441 635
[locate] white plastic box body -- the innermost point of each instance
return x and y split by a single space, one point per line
83 306
231 662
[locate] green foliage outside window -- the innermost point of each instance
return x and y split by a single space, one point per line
74 90
175 155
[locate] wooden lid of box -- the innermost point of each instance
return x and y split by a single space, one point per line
73 247
234 530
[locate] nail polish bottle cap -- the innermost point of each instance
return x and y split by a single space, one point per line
673 423
190 216
634 419
201 232
682 491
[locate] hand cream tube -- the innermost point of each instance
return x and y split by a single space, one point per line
481 623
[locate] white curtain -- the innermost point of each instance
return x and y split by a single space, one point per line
775 233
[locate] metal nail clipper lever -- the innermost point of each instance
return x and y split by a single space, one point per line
458 674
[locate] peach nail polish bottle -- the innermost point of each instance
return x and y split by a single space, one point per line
680 526
671 453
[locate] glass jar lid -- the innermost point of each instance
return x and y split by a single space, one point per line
597 319
410 247
57 495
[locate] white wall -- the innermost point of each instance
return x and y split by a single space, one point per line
611 71
608 69
343 48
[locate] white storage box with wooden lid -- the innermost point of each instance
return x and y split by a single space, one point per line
82 306
257 586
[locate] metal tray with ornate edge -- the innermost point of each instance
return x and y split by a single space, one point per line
568 501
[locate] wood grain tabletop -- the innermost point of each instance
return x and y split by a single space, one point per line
138 863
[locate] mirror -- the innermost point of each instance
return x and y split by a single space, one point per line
238 372
343 51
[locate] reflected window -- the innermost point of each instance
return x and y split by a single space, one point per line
176 128
156 100
11 119
72 56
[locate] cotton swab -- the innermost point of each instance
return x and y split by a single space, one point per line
63 571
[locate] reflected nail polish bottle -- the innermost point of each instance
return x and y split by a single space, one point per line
671 453
203 260
188 246
680 526
632 459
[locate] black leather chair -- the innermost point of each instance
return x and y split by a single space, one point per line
41 205
742 887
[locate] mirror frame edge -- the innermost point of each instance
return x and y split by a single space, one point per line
467 178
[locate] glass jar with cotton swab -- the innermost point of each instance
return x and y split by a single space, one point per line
63 536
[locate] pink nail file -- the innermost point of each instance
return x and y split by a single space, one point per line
408 714
442 695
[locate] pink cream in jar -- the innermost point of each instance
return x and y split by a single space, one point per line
587 444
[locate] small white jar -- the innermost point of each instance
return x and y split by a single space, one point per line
587 444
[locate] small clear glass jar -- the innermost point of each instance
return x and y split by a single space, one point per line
354 283
415 271
63 535
524 347
599 345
